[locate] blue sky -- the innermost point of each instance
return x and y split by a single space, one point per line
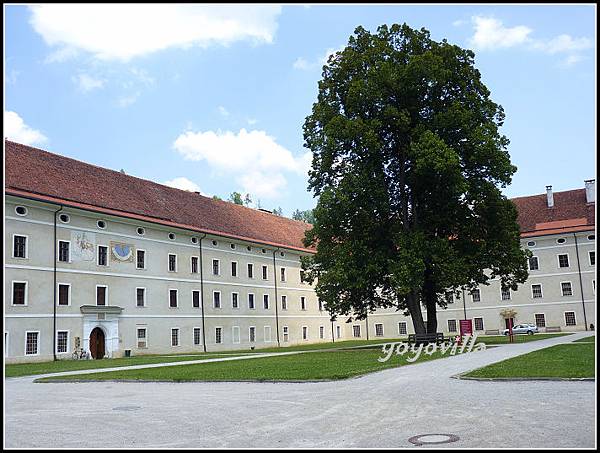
214 98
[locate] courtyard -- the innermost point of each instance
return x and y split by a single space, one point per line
382 409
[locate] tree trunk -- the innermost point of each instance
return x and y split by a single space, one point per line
430 298
414 307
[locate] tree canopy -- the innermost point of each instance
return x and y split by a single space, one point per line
408 166
304 216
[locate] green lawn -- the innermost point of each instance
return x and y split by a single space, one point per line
28 369
590 339
574 360
501 339
310 366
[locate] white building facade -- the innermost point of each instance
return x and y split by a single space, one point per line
82 274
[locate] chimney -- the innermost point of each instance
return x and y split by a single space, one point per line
590 190
550 196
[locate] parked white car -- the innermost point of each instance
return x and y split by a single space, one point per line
528 329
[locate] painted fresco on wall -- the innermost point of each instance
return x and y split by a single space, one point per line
122 252
84 245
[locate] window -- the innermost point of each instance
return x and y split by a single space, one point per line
264 250
101 295
22 210
591 237
563 260
339 331
452 325
561 240
303 303
64 218
216 299
142 341
19 246
267 334
235 303
141 231
63 251
62 341
265 272
302 277
196 299
250 270
531 244
102 255
266 301
172 262
194 264
570 318
321 306
174 337
248 248
101 224
592 258
304 332
536 291
540 319
218 335
402 330
449 297
321 332
235 334
140 262
232 246
251 301
284 302
286 334
32 343
505 293
566 288
379 330
194 240
356 331
215 267
478 323
140 297
172 236
197 336
234 269
252 334
476 295
172 298
534 264
282 274
64 292
215 243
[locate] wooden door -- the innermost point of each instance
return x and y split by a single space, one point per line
97 348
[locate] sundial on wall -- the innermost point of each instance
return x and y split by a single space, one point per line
121 252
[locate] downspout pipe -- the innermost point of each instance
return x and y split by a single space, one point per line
54 289
580 281
276 299
202 291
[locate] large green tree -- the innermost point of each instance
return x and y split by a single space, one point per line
408 166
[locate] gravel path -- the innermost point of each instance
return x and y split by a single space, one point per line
381 409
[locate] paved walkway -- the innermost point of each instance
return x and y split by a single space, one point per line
382 409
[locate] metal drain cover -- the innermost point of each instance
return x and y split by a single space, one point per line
126 408
433 439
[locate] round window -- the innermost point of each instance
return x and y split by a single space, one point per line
249 248
561 240
194 240
592 237
21 210
64 218
214 243
232 246
101 224
172 236
141 231
264 250
531 244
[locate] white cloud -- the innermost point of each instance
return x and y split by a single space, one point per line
125 31
223 111
458 23
563 43
183 184
303 64
252 121
573 59
254 158
490 33
15 129
87 83
126 101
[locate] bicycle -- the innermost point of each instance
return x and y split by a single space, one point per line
80 354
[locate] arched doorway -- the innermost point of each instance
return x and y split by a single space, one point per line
97 343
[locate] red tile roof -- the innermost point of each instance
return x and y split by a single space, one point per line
36 173
32 172
570 213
